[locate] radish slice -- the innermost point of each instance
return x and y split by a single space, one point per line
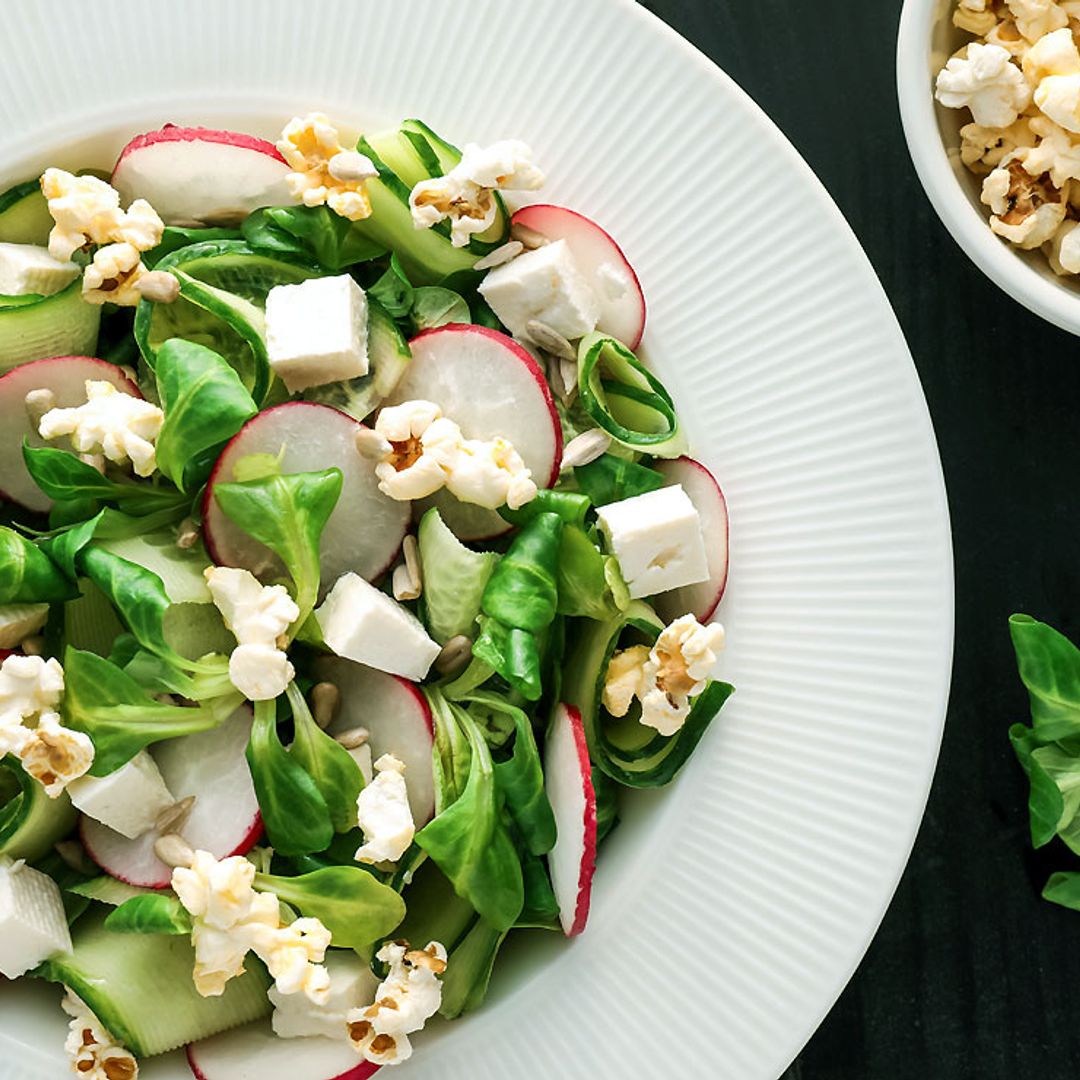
199 176
489 385
601 260
396 715
700 600
365 531
224 821
66 377
254 1052
568 780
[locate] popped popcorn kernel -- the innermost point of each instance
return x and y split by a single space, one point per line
323 172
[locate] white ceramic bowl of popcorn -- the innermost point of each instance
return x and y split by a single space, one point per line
927 40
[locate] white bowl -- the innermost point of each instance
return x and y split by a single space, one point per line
731 908
927 40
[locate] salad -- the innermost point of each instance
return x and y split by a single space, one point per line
352 569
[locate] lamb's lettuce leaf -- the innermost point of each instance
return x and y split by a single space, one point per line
315 232
152 913
28 575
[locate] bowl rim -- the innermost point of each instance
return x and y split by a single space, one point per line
926 145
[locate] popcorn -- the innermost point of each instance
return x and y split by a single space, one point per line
986 81
666 678
54 756
983 148
1055 54
383 813
405 1000
1008 37
1055 153
423 451
29 685
1063 250
1027 210
118 425
1035 18
975 16
324 173
94 1053
465 195
230 919
260 672
114 275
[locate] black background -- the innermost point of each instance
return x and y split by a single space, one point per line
971 974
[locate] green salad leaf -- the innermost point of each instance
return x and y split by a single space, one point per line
611 479
590 583
294 811
28 575
152 913
520 603
468 972
352 903
205 405
120 717
394 290
468 838
315 232
326 761
1049 666
571 506
434 306
287 513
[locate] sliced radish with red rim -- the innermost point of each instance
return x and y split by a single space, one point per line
65 377
490 386
700 600
194 176
601 260
254 1052
365 531
568 780
398 720
225 819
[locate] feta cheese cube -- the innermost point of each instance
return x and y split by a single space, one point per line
546 285
27 268
128 800
316 332
33 925
351 983
657 540
363 624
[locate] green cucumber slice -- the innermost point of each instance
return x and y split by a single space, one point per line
626 750
31 822
180 569
223 289
63 324
140 987
24 215
388 356
107 890
90 622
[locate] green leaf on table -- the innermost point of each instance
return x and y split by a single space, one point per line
287 513
120 717
205 405
1050 669
468 838
1063 889
327 762
294 811
28 575
351 902
153 913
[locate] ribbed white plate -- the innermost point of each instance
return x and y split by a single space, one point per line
731 908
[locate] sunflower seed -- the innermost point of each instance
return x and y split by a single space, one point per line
159 287
456 653
550 340
510 250
351 167
587 447
174 850
33 646
403 584
325 699
568 374
354 738
95 461
187 535
173 818
371 444
529 238
38 403
411 550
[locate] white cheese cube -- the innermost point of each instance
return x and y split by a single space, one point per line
352 985
26 268
33 926
316 332
128 801
546 285
363 624
657 540
19 621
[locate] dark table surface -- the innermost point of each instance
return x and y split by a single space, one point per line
971 974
